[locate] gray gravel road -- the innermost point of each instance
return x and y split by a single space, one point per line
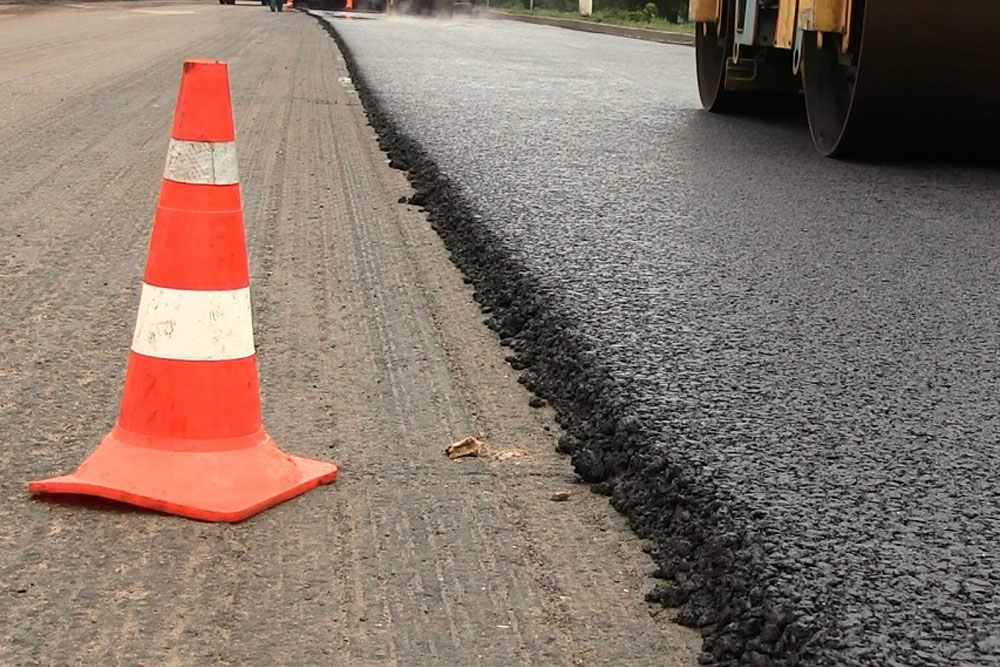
371 352
781 367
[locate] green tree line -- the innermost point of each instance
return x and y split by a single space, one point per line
670 10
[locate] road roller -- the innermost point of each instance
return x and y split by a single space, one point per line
878 76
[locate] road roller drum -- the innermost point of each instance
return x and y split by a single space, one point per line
879 77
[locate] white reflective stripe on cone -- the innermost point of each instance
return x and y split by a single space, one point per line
194 325
202 162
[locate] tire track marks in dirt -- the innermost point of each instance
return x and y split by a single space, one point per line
404 341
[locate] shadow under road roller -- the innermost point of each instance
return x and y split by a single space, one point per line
879 77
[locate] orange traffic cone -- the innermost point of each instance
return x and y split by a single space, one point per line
290 5
189 438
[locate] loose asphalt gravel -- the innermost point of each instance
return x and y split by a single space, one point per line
782 368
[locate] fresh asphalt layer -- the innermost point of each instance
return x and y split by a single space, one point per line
635 32
782 368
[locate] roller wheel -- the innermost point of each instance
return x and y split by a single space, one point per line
713 47
829 78
913 82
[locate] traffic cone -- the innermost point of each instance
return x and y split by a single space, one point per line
189 438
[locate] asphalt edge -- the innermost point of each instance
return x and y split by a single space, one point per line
714 576
659 36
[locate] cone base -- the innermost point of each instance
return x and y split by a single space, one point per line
228 485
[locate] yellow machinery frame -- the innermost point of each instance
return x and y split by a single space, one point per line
704 11
811 15
822 15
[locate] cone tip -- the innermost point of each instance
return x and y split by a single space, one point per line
204 110
191 63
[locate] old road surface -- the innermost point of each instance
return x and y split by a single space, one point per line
372 353
783 368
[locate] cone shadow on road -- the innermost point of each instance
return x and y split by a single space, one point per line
95 503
